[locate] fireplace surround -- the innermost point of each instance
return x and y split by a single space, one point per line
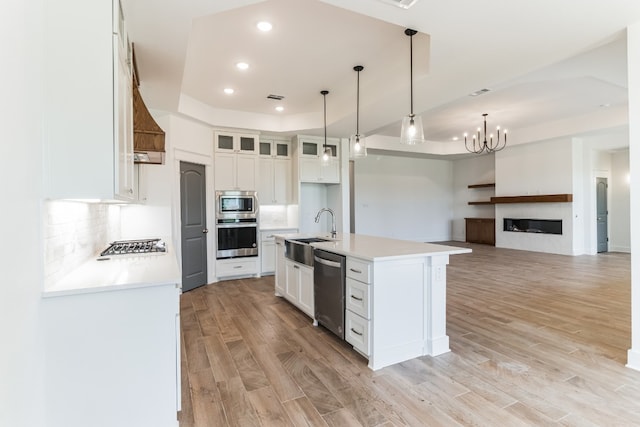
538 226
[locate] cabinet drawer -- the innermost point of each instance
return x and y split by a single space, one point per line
359 270
357 297
237 268
357 332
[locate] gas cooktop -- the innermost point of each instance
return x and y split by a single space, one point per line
143 246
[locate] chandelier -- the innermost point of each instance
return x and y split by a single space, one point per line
475 146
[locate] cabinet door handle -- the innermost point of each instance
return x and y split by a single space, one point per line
356 271
237 266
356 298
296 267
356 332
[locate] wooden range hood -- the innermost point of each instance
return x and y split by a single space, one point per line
148 137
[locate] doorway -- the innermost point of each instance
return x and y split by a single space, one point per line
193 219
602 215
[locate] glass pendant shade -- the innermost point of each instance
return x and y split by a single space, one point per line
357 147
412 132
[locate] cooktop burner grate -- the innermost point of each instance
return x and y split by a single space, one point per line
123 247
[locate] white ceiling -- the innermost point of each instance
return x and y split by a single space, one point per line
542 60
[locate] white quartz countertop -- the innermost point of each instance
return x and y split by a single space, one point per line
119 272
372 248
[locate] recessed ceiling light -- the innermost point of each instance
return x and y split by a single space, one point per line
242 65
605 105
455 138
228 90
264 26
279 108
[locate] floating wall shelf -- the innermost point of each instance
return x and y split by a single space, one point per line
540 198
491 184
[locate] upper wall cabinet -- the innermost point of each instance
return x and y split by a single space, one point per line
311 167
236 161
236 143
88 94
273 147
274 187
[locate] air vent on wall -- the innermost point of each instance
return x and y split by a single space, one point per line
405 4
276 97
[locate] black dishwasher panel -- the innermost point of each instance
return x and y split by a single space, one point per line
328 290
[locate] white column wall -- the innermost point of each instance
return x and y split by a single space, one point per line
633 61
22 386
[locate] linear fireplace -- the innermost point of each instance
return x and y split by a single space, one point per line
542 226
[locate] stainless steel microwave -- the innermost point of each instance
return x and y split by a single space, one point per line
236 204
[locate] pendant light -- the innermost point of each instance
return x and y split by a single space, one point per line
357 147
326 151
412 132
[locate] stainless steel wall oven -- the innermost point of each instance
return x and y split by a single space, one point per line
236 224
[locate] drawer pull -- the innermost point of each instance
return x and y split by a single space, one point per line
356 332
356 271
296 267
237 266
356 298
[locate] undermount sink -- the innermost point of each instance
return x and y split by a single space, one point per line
300 250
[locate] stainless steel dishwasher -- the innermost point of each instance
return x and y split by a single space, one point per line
328 290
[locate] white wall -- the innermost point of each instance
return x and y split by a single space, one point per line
532 169
21 260
404 198
619 218
633 61
469 171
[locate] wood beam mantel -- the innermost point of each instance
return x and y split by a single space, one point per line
539 198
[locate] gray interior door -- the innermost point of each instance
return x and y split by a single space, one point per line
602 214
193 215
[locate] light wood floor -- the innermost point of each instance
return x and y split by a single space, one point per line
536 339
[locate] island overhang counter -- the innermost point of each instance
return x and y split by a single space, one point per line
395 298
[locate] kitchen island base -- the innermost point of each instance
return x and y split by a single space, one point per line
395 300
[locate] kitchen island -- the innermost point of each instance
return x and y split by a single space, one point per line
395 296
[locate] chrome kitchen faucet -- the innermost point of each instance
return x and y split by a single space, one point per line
333 220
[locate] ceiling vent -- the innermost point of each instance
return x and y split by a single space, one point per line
479 92
405 4
276 97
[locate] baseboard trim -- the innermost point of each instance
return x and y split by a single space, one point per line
633 359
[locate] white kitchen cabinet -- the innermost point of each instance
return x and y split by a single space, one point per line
274 147
275 183
246 266
311 167
267 256
281 278
235 172
299 286
113 357
272 252
357 304
238 143
88 102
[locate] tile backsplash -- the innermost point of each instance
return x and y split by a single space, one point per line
74 232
